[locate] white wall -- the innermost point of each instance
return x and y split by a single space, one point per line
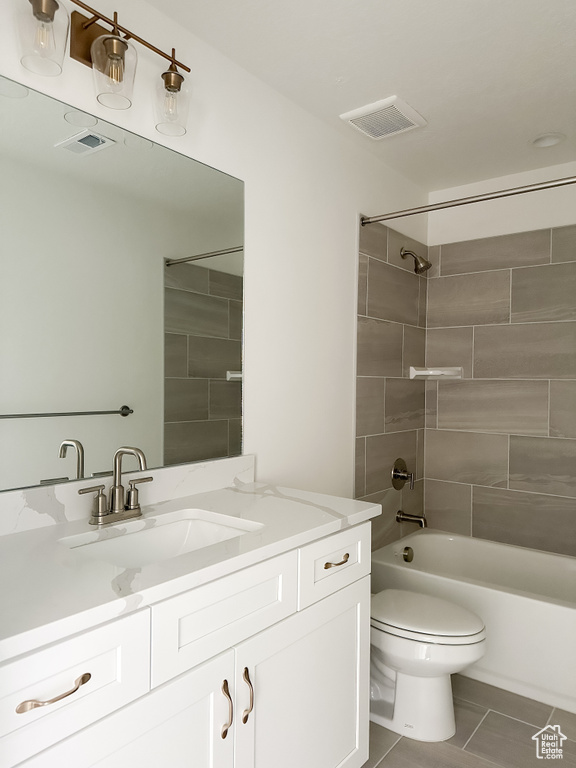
520 213
305 187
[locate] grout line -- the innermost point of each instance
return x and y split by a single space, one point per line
549 404
498 325
510 300
476 729
471 510
473 351
503 269
385 755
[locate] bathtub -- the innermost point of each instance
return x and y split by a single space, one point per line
526 598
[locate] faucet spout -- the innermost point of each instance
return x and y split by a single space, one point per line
79 448
117 489
406 517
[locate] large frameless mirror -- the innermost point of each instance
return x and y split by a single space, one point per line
91 317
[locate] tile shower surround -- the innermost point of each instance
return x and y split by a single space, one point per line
203 330
494 452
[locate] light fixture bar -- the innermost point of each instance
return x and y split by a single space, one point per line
96 15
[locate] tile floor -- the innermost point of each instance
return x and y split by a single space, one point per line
493 728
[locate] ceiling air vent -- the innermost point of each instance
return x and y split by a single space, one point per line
384 118
85 143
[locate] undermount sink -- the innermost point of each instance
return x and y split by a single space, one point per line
149 540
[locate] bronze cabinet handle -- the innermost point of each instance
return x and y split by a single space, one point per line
246 713
342 562
26 706
226 727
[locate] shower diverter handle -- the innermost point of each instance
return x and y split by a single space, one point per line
400 475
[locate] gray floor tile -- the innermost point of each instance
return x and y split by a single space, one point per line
468 717
509 743
566 721
381 742
420 754
520 707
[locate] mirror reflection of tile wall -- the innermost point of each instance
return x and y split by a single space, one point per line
203 340
500 458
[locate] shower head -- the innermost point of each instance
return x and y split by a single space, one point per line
421 264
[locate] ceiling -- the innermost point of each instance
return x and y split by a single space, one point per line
488 76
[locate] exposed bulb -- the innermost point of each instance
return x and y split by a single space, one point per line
170 107
43 35
115 72
44 42
171 101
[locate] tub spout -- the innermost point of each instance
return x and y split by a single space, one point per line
405 517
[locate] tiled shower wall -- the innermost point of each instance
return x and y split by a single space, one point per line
390 409
500 444
203 332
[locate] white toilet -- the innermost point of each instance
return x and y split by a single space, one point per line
417 642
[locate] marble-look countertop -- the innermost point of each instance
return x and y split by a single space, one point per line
50 591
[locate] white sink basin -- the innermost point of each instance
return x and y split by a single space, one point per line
144 541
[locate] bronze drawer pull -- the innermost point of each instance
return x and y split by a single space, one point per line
342 562
26 706
228 725
246 713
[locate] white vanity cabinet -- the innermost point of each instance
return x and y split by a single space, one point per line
310 678
49 694
243 679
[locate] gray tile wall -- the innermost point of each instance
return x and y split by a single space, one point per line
500 444
390 408
504 436
203 331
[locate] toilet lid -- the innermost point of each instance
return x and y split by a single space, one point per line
424 614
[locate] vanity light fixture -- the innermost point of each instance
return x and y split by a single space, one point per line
43 36
172 101
114 67
113 59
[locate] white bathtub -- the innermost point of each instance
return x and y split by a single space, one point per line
526 598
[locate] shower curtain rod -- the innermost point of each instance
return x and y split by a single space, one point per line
236 249
467 200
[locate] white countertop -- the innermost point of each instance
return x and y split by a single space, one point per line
50 591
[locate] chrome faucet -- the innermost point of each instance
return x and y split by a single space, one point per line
117 490
77 445
118 510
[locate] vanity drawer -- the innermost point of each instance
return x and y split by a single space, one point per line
192 627
332 563
114 661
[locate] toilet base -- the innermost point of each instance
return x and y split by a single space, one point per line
422 708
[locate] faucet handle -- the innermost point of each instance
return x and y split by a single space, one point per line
100 508
132 495
400 475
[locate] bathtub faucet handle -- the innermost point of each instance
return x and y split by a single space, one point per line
400 475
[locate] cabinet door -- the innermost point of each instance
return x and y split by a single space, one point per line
310 678
178 725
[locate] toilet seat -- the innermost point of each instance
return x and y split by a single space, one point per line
423 618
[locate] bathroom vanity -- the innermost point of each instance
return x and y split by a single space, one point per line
251 651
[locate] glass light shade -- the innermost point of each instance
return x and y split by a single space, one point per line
114 66
172 103
43 35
